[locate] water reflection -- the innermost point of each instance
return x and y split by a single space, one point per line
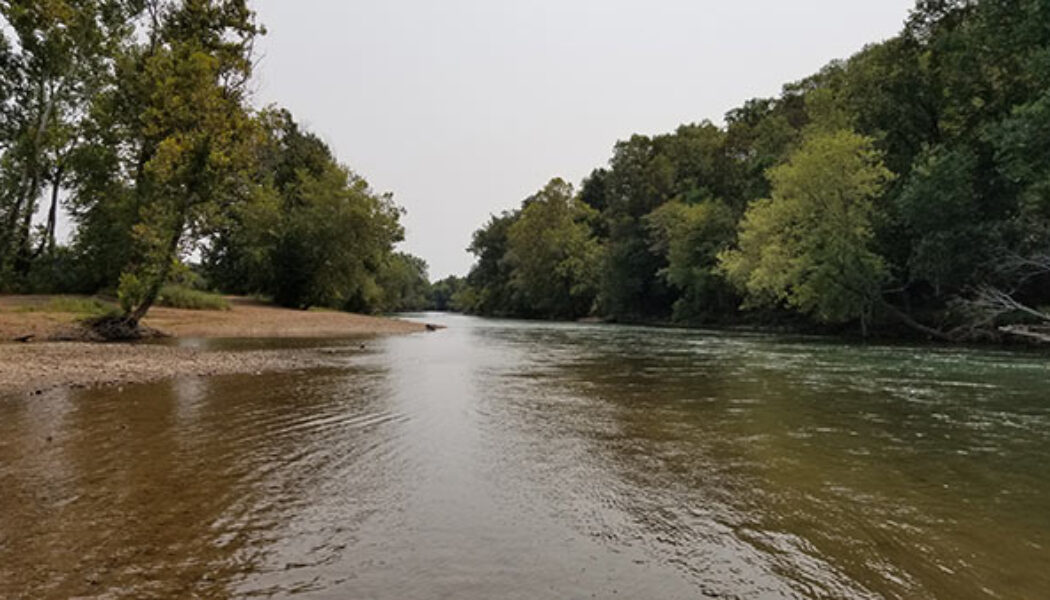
845 471
181 488
517 460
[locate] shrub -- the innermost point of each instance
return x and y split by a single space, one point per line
175 296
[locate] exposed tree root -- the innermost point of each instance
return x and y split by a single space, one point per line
119 329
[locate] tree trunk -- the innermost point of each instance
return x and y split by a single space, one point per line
24 253
52 213
18 225
16 241
7 236
139 312
48 241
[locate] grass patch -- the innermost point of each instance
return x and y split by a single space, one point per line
78 305
175 296
322 309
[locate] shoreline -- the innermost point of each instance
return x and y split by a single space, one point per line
34 369
57 357
1035 338
34 316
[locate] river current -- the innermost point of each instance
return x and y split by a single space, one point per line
501 459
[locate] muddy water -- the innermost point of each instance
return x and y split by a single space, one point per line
513 460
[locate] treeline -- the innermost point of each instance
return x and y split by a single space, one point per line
907 187
133 116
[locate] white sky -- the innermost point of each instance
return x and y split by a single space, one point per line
462 108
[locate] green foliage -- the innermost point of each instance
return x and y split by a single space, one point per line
442 294
137 114
403 280
78 305
948 236
330 244
488 284
194 126
691 236
165 141
955 108
134 117
177 296
321 245
1022 150
552 255
131 292
465 299
311 233
57 59
641 177
809 246
540 261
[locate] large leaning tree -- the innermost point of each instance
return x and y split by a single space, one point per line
183 137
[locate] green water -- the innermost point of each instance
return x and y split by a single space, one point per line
519 460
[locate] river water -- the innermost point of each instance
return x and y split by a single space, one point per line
499 459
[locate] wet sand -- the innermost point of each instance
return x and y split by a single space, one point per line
45 364
36 368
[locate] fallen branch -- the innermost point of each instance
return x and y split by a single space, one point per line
998 302
907 319
1027 333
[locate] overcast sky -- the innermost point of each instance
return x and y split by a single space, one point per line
462 108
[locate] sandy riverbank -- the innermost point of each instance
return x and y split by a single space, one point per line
43 364
246 319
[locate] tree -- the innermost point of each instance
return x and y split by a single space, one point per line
311 232
691 236
443 293
552 254
324 244
940 213
809 245
192 134
240 254
488 290
639 179
1022 152
62 59
403 281
758 135
137 114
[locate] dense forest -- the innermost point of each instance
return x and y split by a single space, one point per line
134 117
906 189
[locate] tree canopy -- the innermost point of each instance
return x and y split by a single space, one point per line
809 245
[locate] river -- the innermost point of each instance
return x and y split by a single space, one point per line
501 459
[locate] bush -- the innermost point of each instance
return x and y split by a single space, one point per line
131 292
176 296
